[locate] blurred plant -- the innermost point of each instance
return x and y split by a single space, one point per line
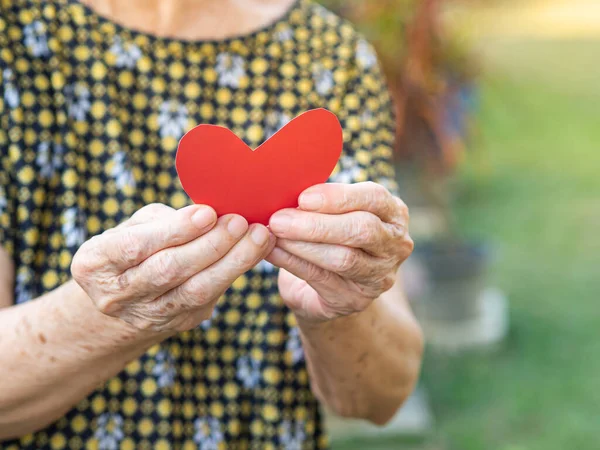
433 81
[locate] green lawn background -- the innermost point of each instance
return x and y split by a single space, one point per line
531 185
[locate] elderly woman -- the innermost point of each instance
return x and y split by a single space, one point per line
131 318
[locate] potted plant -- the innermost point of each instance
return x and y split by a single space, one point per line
433 82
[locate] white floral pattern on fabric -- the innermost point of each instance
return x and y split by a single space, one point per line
49 162
284 34
292 437
127 54
323 80
349 171
74 227
23 289
365 54
3 201
265 267
294 345
11 94
275 121
164 370
366 117
231 69
35 39
248 371
325 13
172 119
208 434
109 431
120 171
78 101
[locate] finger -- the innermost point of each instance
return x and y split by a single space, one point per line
171 267
300 267
357 229
132 245
209 284
345 261
337 296
148 213
337 198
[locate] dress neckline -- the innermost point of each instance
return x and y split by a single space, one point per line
152 39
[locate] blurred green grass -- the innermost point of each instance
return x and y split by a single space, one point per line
534 190
532 186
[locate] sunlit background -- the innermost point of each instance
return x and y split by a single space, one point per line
499 158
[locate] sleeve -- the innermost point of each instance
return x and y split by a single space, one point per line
367 116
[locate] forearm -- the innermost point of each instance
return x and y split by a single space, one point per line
365 365
54 351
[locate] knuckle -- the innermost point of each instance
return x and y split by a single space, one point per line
402 208
364 228
106 305
194 291
142 323
88 258
166 267
388 282
123 281
347 262
81 266
156 209
378 189
317 274
371 185
398 230
129 248
409 244
315 229
154 310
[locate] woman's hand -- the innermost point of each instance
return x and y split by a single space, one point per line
164 270
340 250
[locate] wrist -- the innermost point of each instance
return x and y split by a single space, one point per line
112 332
329 327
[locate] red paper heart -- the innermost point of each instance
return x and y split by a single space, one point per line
218 169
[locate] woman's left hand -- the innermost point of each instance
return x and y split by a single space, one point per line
340 250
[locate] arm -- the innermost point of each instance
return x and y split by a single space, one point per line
365 365
159 273
340 252
54 351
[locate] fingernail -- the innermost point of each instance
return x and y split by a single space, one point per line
311 201
203 217
237 226
259 235
280 223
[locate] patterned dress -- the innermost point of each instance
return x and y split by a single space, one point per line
90 116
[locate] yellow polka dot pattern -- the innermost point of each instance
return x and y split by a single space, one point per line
90 116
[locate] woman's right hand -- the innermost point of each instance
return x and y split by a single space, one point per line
163 270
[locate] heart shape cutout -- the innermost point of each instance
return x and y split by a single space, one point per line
218 169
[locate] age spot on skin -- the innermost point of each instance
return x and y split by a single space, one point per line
42 338
363 357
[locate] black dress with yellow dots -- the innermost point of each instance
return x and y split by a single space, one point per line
91 114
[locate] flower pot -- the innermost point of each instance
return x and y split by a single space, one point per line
456 277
